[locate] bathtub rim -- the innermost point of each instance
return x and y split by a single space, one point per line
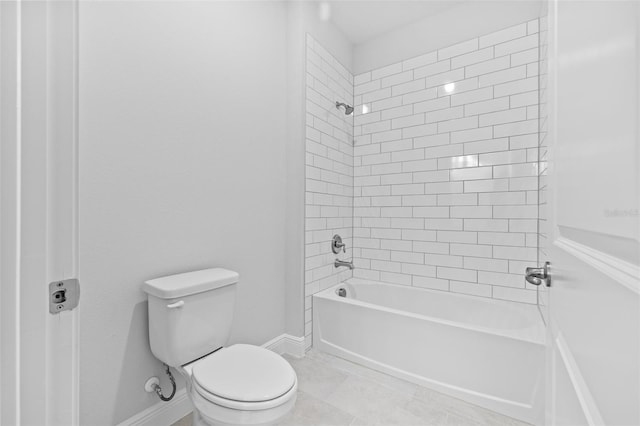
535 334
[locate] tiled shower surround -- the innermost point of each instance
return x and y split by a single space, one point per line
446 167
442 174
329 172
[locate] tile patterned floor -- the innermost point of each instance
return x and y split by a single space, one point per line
335 392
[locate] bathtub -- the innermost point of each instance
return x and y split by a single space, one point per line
484 351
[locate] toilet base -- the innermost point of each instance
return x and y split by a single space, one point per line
221 416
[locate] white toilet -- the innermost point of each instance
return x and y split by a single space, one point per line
190 318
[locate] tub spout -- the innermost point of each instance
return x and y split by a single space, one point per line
338 263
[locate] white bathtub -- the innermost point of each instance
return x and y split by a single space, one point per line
487 352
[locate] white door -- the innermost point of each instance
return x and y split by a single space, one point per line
589 213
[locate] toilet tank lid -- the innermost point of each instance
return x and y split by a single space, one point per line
188 283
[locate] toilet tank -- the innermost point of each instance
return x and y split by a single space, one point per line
190 314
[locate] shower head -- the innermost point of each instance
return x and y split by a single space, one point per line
348 109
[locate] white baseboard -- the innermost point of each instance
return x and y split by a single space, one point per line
162 413
286 344
166 413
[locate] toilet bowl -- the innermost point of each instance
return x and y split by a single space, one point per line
241 385
190 318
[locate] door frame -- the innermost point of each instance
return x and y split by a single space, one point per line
38 210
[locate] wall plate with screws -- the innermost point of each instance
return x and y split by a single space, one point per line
64 295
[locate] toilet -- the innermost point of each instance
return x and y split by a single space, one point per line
190 317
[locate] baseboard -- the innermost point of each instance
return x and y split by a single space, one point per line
166 413
287 344
162 413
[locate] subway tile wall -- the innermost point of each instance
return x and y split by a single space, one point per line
329 172
543 293
446 168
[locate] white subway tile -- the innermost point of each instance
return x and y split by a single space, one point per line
418 235
412 120
474 250
369 86
419 200
523 184
473 289
458 49
472 135
503 76
431 105
376 95
407 223
503 157
516 170
458 162
459 86
489 185
502 198
431 211
361 78
431 176
500 117
415 166
407 257
490 145
472 173
395 212
420 270
420 95
517 45
400 111
432 69
384 104
523 225
386 266
473 212
523 141
444 78
472 58
386 201
431 140
490 105
525 57
503 35
443 151
457 199
441 224
517 128
394 278
533 26
425 129
487 67
443 260
393 179
515 87
390 135
514 253
385 71
431 247
501 238
431 283
407 189
408 155
385 168
411 86
399 78
420 61
443 187
396 145
457 237
458 124
457 274
498 225
472 96
396 245
483 264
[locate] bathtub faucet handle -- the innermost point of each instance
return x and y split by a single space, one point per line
337 244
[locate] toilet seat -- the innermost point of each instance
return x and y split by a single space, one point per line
244 377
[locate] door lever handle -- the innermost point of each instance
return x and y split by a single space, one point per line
537 276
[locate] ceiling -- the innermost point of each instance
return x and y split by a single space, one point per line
362 20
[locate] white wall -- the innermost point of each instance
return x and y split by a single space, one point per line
451 26
182 166
446 185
